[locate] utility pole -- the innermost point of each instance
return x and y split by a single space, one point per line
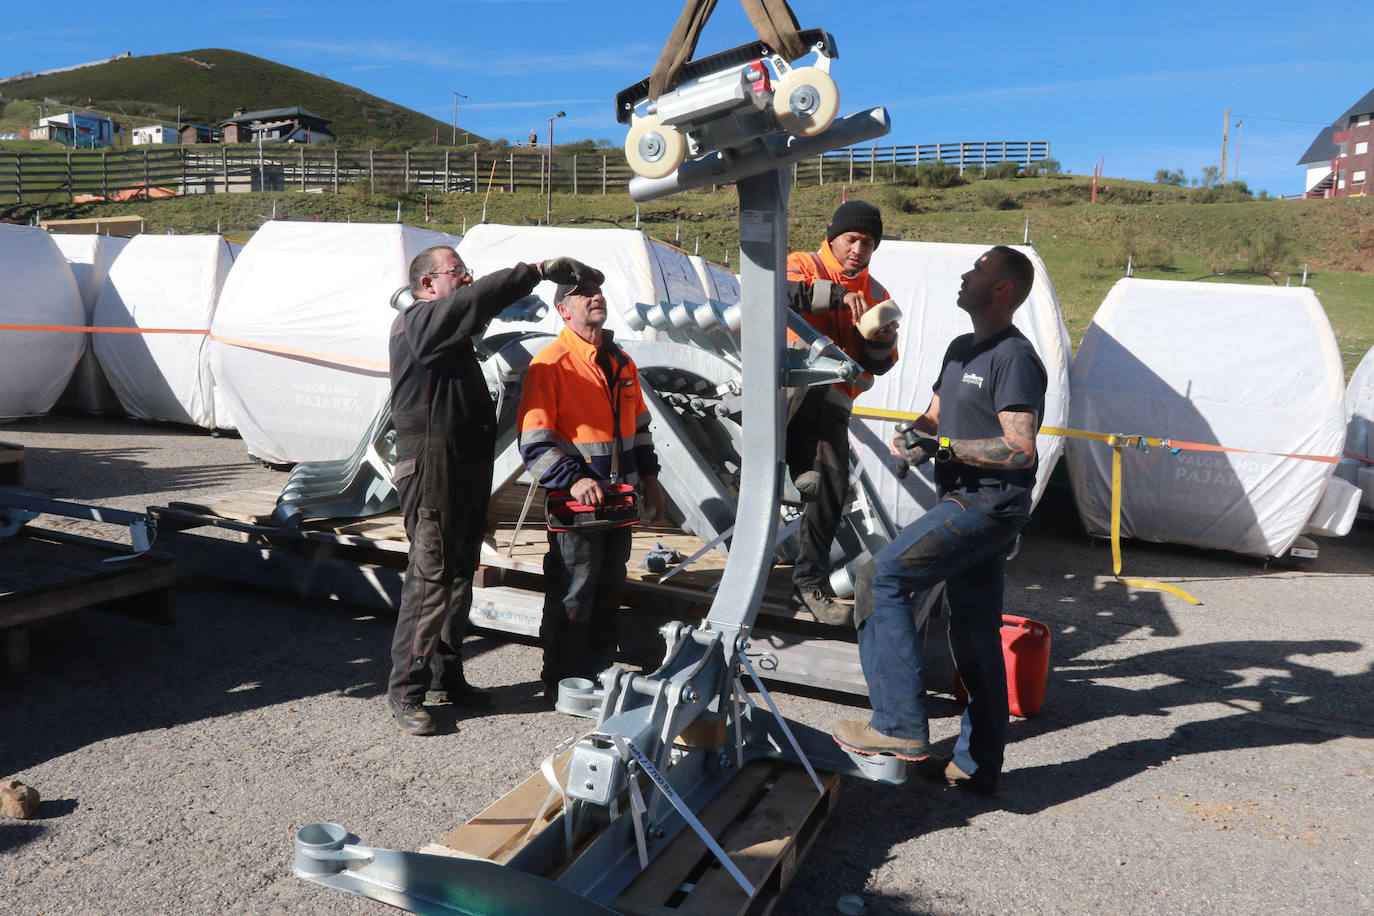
456 96
1225 123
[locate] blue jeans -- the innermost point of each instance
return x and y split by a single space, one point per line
966 550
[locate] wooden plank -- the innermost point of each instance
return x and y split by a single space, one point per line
497 833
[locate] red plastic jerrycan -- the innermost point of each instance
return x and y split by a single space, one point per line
1026 653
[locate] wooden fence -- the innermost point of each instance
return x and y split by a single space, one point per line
57 176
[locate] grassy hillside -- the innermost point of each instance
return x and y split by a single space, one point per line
209 84
1171 233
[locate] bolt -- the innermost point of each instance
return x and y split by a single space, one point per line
804 100
689 694
651 146
592 767
589 784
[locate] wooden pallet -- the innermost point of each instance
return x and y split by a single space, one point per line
765 818
46 575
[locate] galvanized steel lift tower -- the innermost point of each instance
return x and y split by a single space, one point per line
630 785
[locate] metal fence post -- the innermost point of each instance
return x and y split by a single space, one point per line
146 181
336 171
70 195
820 169
603 174
851 165
302 151
574 173
407 175
872 163
511 157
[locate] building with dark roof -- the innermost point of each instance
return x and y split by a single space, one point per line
276 125
1340 161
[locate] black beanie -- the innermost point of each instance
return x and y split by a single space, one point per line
856 216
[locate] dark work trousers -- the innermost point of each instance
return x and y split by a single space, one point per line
444 528
965 548
584 578
818 440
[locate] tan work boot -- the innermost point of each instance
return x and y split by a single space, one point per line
862 738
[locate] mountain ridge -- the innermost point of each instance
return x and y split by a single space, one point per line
208 84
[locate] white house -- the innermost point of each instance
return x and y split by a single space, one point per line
154 133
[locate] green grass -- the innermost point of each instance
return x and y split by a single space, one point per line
152 87
1168 234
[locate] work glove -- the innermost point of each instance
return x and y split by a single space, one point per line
915 449
570 271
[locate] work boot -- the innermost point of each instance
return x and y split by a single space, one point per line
410 718
808 484
862 738
462 694
823 606
945 770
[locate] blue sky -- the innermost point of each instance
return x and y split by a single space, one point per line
1140 86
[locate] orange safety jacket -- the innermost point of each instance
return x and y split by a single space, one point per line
569 408
816 285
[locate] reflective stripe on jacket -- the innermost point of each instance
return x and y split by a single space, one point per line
567 408
814 276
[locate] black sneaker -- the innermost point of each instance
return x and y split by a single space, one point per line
462 694
411 719
824 606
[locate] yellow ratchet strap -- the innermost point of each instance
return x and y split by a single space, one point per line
1117 443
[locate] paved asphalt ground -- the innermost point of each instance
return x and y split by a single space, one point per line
1212 759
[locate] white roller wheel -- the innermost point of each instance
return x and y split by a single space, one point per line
805 101
653 150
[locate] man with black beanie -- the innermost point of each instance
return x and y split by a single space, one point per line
831 288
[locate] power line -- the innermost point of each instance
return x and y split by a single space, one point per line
1284 120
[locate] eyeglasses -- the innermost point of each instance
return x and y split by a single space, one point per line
458 273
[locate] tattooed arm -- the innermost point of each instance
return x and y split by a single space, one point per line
1012 450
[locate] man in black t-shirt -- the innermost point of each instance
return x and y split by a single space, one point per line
980 428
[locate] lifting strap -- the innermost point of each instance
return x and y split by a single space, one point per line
772 19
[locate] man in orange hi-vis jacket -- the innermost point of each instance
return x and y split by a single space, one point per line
584 428
831 288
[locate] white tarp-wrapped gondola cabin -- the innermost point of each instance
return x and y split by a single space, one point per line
923 278
1357 466
300 350
90 258
38 291
162 283
1251 368
640 271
